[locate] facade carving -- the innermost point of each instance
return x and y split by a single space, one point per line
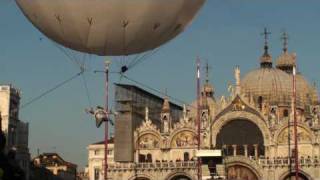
253 126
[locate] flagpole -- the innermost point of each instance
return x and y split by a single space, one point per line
296 153
198 116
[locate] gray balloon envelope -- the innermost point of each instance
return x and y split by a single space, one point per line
110 27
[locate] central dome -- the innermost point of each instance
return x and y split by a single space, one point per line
275 86
268 83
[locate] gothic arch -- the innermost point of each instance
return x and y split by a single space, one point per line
174 135
285 126
176 174
217 124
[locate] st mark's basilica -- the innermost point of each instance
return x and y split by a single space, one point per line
253 126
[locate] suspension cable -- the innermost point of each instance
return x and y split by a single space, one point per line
51 90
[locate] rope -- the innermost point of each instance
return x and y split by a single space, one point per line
144 57
86 89
51 90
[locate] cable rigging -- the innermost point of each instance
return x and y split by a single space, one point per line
51 90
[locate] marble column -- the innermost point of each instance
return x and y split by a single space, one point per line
234 149
256 155
245 150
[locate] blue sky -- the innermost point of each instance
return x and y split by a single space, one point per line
226 33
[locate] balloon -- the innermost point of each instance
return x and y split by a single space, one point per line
111 27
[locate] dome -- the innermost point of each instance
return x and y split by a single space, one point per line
286 62
286 59
275 86
268 83
308 93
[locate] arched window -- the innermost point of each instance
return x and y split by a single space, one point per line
285 113
186 156
142 158
165 118
149 158
260 100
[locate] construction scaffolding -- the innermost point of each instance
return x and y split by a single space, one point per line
130 103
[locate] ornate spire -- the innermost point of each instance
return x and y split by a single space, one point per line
266 59
207 72
146 113
166 104
285 39
286 61
238 79
208 89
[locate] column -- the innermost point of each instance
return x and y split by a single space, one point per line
256 151
234 149
245 146
225 150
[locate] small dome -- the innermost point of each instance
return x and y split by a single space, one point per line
207 89
286 60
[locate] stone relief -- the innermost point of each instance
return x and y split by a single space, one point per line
238 105
303 136
148 141
315 115
273 120
184 139
204 120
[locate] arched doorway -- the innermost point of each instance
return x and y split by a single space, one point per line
292 176
180 177
141 178
243 135
239 172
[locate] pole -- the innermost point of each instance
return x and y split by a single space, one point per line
296 155
107 63
198 115
0 122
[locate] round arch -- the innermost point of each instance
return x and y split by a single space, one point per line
155 135
302 176
217 124
179 176
300 125
189 131
141 177
241 164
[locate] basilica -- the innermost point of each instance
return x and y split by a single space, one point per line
253 126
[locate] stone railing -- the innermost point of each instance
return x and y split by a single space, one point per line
153 166
308 161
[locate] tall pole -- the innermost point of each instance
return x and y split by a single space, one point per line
198 116
0 122
296 153
107 63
